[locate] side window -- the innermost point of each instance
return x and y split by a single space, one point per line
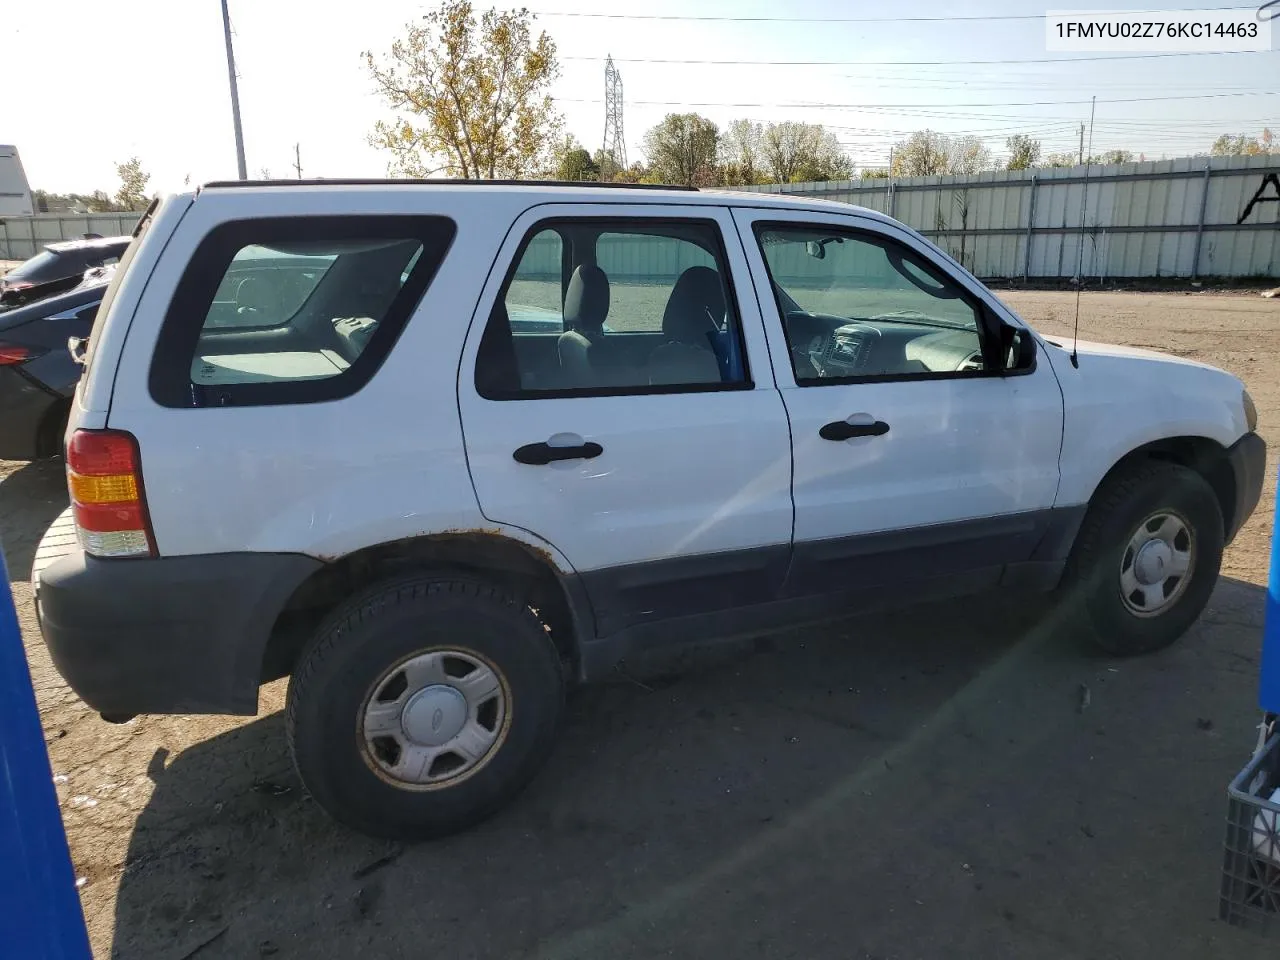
855 305
534 296
292 310
647 306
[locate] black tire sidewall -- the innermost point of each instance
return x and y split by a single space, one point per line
387 625
1166 487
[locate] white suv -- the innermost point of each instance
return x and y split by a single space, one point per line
379 437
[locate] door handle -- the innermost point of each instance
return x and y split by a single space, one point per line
540 454
843 430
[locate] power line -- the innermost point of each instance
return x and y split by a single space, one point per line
920 63
718 19
897 106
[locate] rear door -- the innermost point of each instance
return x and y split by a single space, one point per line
617 401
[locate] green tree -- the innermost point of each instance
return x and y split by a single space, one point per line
471 96
1059 160
1024 153
682 150
926 153
875 173
574 161
1113 156
741 159
132 194
798 152
1244 145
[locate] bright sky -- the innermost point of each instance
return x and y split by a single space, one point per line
105 81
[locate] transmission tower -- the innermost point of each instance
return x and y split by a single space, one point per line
615 142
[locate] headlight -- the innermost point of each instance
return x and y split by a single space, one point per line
1250 411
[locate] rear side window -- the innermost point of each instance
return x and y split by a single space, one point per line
293 310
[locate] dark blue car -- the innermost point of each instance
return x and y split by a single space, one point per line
37 373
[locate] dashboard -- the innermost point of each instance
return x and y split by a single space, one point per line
825 346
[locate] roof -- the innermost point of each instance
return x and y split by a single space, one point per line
551 190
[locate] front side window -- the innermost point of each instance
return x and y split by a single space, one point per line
606 306
857 305
292 310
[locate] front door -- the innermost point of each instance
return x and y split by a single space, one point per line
916 462
617 401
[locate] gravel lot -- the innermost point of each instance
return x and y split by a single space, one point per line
926 785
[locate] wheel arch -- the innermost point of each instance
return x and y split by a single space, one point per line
1204 455
531 571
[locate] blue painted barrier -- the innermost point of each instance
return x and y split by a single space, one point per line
40 917
1269 687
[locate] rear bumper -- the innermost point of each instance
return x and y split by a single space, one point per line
1248 459
23 407
164 635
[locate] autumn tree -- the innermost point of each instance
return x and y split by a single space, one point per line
1024 153
1113 156
797 152
132 194
1244 145
875 173
741 154
471 96
682 150
969 155
1059 160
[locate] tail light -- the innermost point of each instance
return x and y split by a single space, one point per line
104 476
15 353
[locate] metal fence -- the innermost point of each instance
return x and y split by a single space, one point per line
1194 216
23 237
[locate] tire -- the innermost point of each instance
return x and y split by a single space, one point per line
1104 565
347 687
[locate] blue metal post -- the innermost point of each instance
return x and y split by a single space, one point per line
1269 689
40 916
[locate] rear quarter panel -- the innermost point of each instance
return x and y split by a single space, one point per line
326 478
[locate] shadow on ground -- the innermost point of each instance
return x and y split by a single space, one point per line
30 498
952 782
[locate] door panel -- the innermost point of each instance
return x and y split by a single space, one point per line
683 503
952 473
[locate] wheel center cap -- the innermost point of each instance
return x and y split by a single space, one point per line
1152 561
434 715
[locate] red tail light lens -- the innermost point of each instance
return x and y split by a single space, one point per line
11 353
104 476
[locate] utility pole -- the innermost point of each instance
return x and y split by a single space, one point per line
297 159
615 142
1081 143
235 92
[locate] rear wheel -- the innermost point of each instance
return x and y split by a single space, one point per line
423 706
1147 558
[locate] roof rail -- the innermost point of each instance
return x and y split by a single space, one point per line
391 182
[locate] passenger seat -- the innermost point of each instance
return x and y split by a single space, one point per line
690 325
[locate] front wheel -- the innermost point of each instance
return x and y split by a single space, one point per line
1146 559
423 706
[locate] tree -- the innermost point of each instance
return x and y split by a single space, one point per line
1243 145
797 152
925 153
471 97
969 155
741 157
875 173
132 194
1113 156
1024 153
1059 160
574 162
682 150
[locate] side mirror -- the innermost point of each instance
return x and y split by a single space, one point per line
816 249
1020 350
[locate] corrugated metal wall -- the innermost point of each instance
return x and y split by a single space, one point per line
1140 219
23 237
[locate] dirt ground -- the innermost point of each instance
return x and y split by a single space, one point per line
949 783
